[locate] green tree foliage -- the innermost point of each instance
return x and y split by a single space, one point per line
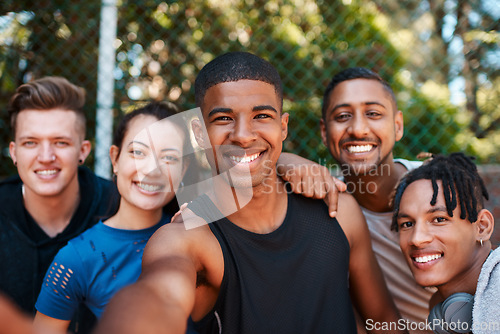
161 46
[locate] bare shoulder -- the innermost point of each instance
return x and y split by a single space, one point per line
351 218
180 237
196 245
348 209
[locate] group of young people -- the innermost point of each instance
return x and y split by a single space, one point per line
281 263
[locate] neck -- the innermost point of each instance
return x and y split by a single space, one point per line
374 189
53 213
260 209
467 282
130 217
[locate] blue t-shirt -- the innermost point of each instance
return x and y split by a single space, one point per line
91 268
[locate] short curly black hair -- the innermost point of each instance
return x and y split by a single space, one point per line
462 185
234 66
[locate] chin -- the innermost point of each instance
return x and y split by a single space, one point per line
428 281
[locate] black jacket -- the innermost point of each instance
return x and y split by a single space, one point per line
25 252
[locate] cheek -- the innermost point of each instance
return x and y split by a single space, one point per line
125 170
334 132
403 242
175 172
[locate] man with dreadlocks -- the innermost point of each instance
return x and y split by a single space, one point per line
360 125
444 233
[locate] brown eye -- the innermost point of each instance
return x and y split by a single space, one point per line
405 224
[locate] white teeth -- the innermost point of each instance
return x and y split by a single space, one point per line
245 158
149 187
47 172
359 148
427 258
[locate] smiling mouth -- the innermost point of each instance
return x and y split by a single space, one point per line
359 148
46 172
149 187
427 258
244 159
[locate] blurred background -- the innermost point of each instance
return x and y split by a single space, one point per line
442 58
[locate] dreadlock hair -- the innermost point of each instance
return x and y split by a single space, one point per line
460 180
351 74
234 66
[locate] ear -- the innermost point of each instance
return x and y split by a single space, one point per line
84 150
284 126
12 152
200 134
399 125
324 136
485 224
113 156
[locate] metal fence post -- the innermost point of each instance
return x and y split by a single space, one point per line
105 87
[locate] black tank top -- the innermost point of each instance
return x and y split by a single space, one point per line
292 280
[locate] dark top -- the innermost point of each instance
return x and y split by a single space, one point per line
26 251
292 280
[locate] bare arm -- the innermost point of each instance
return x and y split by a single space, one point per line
12 320
367 285
310 179
163 297
45 324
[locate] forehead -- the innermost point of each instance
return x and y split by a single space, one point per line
53 123
240 94
418 195
156 133
421 192
360 91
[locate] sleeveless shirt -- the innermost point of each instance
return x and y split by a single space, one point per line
292 280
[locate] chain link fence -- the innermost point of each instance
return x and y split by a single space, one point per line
442 57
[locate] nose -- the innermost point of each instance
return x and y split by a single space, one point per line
421 234
243 132
358 127
47 153
153 166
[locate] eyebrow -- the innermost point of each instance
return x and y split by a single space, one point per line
431 210
229 110
369 103
219 110
147 146
56 138
264 107
437 208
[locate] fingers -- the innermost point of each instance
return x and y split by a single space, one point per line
178 213
341 186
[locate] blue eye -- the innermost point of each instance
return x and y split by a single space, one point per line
29 143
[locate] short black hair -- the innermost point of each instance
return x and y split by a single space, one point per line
234 66
460 180
351 74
